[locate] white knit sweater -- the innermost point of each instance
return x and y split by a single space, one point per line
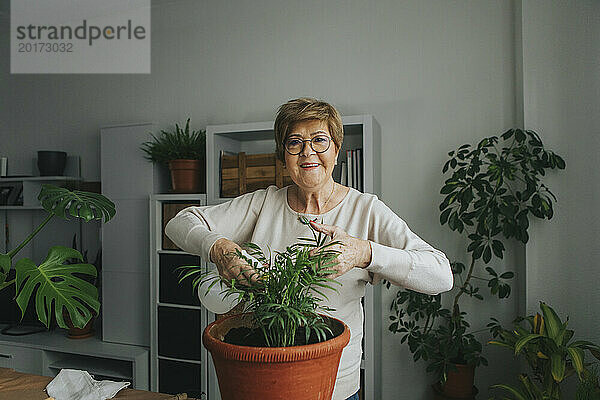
265 218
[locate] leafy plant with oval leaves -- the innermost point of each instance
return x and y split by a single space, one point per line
54 282
550 352
495 188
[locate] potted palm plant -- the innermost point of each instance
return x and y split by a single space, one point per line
280 347
55 281
551 354
184 152
493 191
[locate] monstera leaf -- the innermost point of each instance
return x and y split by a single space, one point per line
4 268
54 283
62 202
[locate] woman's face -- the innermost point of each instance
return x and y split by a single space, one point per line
311 170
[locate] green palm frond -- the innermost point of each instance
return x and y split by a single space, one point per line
288 292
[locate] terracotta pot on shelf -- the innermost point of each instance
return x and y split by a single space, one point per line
185 176
79 333
268 373
459 383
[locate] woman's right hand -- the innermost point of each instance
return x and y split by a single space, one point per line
230 266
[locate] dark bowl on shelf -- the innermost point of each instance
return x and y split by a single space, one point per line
51 163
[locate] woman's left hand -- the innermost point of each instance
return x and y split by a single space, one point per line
353 252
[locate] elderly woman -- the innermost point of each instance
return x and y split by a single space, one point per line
375 243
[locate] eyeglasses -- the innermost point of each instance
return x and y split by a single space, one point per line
319 143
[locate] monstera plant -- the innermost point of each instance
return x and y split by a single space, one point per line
53 282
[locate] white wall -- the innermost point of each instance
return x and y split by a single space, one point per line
434 74
561 80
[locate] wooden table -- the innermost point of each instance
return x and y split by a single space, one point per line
19 386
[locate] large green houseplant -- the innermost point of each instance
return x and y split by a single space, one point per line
291 340
495 187
551 354
54 282
184 152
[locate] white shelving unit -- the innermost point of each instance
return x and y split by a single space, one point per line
360 131
45 353
32 186
173 302
31 213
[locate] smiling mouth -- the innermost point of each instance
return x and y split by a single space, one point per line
309 166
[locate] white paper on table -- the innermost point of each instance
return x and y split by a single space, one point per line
73 384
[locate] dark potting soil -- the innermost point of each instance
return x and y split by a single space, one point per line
254 337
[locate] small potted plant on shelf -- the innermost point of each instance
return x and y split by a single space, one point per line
54 282
545 343
184 152
492 193
280 347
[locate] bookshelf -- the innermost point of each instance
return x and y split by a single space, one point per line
360 131
178 361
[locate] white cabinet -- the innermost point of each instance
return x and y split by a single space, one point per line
46 353
360 131
21 359
179 362
127 179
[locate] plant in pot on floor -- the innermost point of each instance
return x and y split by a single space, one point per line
492 193
552 357
184 152
280 347
54 282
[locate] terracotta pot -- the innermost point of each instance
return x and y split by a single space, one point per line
79 333
268 373
185 176
460 382
438 393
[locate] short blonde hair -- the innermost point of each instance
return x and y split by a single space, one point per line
306 109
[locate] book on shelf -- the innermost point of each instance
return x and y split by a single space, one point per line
344 173
359 169
350 167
